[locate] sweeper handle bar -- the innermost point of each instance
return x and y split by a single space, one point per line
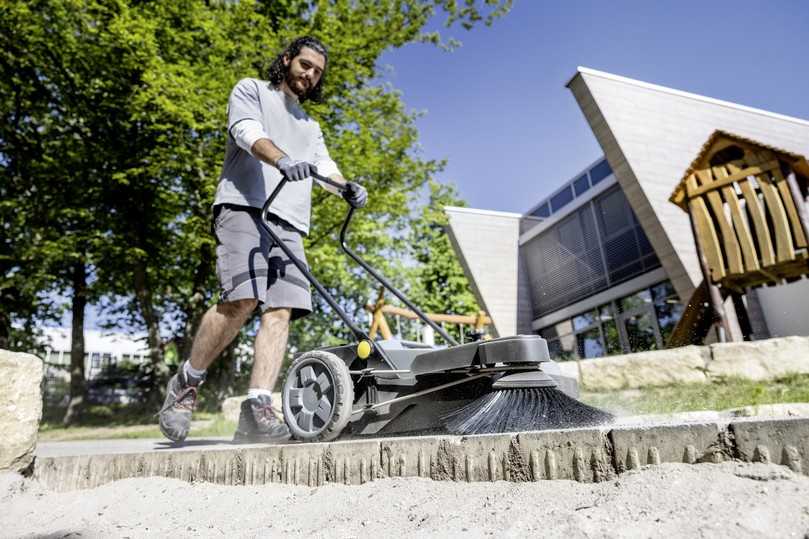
359 334
367 267
376 275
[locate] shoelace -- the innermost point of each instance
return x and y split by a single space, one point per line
181 400
265 413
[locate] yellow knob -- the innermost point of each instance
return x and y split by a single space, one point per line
363 349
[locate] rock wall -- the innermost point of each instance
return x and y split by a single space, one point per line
20 409
756 360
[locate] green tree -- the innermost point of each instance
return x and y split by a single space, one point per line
439 283
115 121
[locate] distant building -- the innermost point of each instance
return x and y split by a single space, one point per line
104 354
605 263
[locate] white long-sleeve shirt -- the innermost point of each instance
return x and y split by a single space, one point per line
257 110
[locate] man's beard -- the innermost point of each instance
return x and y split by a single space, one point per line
293 84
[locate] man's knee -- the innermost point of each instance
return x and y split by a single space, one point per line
239 307
276 316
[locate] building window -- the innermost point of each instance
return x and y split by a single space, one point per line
543 211
641 321
600 171
95 360
581 184
561 198
668 308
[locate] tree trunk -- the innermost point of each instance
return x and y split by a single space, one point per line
144 294
196 306
5 331
78 387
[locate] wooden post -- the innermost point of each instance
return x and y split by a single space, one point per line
800 203
713 291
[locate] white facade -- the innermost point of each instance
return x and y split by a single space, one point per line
649 134
101 349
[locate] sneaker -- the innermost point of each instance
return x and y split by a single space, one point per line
175 415
258 423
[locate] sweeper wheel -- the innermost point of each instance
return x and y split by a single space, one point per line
318 396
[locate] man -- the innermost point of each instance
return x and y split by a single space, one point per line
270 136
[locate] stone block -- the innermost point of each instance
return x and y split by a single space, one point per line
685 365
780 441
636 446
20 408
760 360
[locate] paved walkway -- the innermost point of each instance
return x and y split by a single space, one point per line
135 445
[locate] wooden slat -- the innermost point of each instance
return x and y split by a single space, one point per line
783 237
739 222
706 233
766 252
732 250
789 204
736 176
695 322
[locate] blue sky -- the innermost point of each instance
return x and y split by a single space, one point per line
497 108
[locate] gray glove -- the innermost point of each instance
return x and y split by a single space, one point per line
355 194
295 171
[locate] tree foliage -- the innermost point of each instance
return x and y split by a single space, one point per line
113 132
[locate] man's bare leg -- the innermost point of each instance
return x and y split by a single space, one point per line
218 328
257 421
270 346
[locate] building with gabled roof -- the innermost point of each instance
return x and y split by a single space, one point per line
604 264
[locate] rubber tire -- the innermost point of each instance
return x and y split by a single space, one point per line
343 396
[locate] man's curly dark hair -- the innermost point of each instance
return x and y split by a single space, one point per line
278 71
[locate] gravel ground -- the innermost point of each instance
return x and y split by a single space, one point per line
670 500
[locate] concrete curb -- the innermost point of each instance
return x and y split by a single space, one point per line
587 455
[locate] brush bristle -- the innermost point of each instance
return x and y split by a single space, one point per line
521 409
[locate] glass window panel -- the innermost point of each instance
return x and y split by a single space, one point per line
561 198
641 333
616 215
623 258
612 339
663 292
589 344
95 360
668 314
600 171
542 211
106 359
581 184
564 327
584 320
126 357
668 308
562 349
605 312
570 235
636 300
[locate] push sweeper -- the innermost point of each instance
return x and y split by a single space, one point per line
384 387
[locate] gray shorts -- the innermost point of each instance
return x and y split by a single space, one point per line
249 266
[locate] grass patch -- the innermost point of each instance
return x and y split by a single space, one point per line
114 422
720 394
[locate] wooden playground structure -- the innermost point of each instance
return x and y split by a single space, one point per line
747 203
379 324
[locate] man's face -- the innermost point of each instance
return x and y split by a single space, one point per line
305 71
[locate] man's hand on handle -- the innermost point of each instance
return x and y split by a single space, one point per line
295 171
355 194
